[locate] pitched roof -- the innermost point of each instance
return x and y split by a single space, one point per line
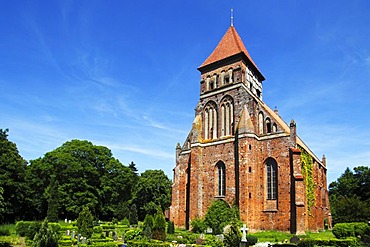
230 44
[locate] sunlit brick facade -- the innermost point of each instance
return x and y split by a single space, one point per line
241 151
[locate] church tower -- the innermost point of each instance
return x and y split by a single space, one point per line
242 152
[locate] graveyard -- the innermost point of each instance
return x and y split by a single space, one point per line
122 234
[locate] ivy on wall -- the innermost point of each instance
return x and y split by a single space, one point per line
307 172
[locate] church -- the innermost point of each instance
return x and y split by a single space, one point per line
241 151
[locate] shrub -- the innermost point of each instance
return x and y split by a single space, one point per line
5 230
45 237
343 230
33 228
21 228
198 225
252 240
170 227
147 244
133 234
97 229
125 222
306 243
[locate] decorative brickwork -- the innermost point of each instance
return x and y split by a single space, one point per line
241 151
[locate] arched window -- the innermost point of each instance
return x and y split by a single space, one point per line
227 117
260 123
274 128
221 170
271 179
268 125
210 121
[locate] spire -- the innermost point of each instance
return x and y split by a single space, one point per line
232 18
230 45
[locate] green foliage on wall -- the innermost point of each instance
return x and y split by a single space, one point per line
307 172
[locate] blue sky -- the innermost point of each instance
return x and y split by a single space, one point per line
123 73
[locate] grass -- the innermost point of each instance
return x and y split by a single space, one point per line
272 236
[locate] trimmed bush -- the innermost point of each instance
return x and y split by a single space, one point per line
147 244
45 237
170 227
198 226
133 234
252 240
306 243
343 230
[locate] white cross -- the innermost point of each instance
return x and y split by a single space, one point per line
244 229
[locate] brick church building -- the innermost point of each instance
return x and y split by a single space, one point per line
241 151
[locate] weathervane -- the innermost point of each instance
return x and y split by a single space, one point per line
232 18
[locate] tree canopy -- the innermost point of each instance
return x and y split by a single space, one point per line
74 175
350 196
12 180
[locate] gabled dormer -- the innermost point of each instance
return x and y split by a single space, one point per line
228 64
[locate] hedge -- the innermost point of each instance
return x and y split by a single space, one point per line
147 244
355 229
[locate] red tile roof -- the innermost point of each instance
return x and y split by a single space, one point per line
230 44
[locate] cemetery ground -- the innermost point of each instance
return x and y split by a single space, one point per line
109 234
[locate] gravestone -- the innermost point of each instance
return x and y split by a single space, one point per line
68 232
209 230
73 234
79 237
115 238
244 241
69 221
83 240
294 240
220 237
65 220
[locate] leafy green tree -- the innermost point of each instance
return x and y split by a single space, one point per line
2 204
218 215
87 175
159 226
12 180
350 196
85 222
46 237
153 190
53 200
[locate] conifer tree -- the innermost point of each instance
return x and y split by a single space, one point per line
85 222
159 226
133 218
46 237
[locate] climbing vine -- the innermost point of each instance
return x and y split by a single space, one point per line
307 172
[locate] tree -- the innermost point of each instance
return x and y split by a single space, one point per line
350 196
152 191
46 237
53 200
12 179
220 214
159 226
87 175
85 222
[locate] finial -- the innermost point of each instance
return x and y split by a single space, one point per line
232 18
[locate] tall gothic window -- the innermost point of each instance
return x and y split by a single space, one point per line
227 117
271 177
221 178
210 121
268 125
